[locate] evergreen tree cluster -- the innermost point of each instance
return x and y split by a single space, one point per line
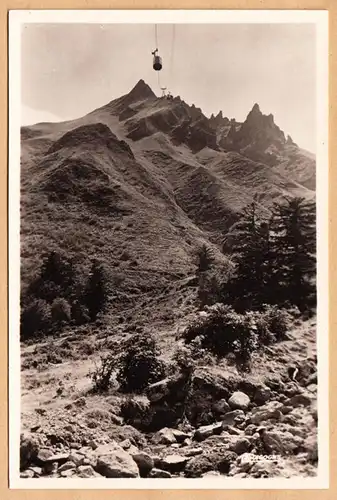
59 296
274 259
273 268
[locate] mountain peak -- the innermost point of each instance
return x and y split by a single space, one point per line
218 120
255 110
141 90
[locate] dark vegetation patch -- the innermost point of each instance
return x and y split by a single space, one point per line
58 297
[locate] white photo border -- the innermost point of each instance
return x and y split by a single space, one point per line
317 17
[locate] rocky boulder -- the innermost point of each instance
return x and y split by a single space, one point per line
266 412
164 436
246 461
265 468
300 400
86 471
239 400
283 443
199 465
207 430
113 461
180 436
159 474
217 461
233 417
145 463
241 445
174 463
66 466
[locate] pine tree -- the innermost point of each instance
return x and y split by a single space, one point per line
205 258
96 293
56 279
58 269
251 255
294 247
207 286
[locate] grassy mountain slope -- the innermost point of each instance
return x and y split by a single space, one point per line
139 183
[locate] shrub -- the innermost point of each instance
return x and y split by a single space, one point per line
139 364
261 325
221 330
183 359
79 313
102 375
265 336
199 353
247 339
60 311
278 321
35 319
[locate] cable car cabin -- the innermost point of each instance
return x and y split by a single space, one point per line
157 62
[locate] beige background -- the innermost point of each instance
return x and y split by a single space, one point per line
5 493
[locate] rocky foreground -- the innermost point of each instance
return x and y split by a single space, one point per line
262 430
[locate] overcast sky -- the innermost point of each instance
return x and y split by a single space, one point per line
69 70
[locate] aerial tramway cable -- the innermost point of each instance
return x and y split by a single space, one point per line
156 35
157 61
172 55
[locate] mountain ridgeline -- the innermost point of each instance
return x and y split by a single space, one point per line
142 181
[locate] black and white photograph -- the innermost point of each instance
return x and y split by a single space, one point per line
168 296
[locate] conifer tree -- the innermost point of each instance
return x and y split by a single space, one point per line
96 293
205 258
294 244
56 279
206 282
58 269
251 254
